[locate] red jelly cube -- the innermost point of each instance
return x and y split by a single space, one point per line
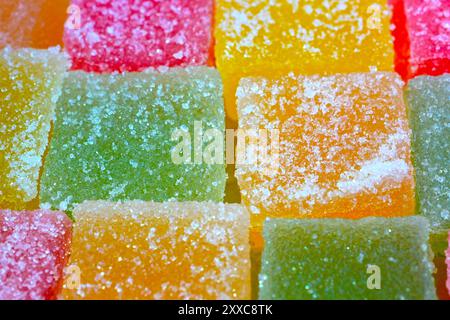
428 26
131 35
401 38
34 248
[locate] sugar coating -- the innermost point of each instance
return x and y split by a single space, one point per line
335 259
428 25
112 138
130 35
143 250
34 249
344 146
30 84
428 102
305 36
32 23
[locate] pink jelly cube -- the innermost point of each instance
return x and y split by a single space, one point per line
131 35
428 26
34 248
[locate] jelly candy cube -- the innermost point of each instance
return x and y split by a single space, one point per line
131 35
371 258
343 146
427 23
34 249
113 138
143 250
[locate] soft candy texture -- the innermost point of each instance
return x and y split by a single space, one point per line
265 37
30 83
139 250
428 27
341 259
32 23
428 102
113 138
344 146
131 35
34 249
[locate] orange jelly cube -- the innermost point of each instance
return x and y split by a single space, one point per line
343 148
144 250
33 23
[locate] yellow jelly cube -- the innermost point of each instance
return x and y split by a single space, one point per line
266 37
30 84
145 250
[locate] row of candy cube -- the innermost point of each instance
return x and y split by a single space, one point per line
144 250
308 37
343 140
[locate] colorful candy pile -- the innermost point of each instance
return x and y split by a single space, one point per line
115 157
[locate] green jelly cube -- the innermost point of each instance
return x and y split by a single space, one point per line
115 134
428 101
371 258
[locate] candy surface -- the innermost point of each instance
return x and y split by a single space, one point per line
428 102
401 38
32 23
113 138
34 249
344 146
139 250
429 35
371 258
264 37
30 84
131 35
